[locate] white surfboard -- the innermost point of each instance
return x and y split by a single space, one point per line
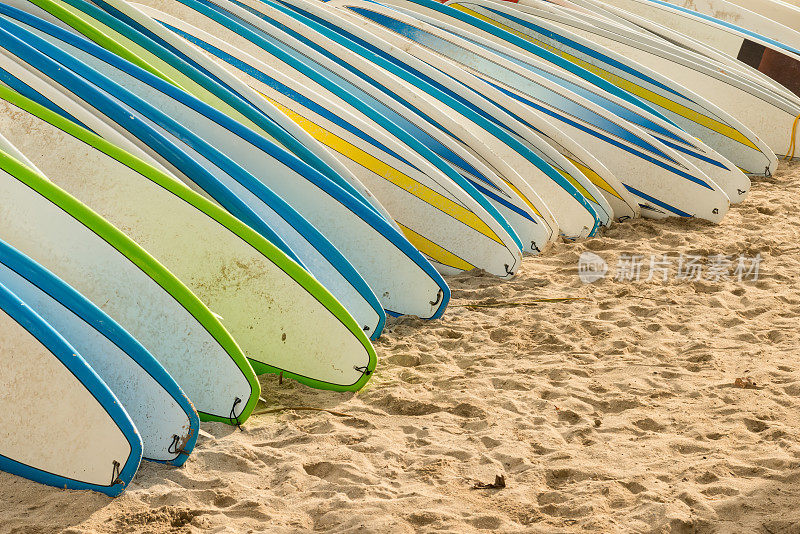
163 415
665 182
55 230
687 109
768 115
59 423
688 47
780 11
280 320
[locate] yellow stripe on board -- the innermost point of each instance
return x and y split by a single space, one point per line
398 178
627 85
595 178
523 197
571 179
434 251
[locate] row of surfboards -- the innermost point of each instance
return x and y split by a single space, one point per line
195 192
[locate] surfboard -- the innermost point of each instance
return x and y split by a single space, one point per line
320 199
535 131
690 111
484 240
749 18
124 31
274 309
768 115
689 47
59 423
371 151
162 413
754 50
565 205
82 249
295 235
401 75
678 189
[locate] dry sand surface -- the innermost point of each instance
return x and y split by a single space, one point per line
614 413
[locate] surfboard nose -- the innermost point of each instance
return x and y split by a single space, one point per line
714 210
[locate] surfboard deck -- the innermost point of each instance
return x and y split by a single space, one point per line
59 423
275 311
84 250
162 413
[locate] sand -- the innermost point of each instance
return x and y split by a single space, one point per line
615 412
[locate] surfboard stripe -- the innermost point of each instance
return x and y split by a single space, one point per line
24 89
657 202
431 249
594 177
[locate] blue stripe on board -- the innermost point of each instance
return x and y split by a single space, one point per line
657 202
696 155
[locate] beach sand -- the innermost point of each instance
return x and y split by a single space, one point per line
615 412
